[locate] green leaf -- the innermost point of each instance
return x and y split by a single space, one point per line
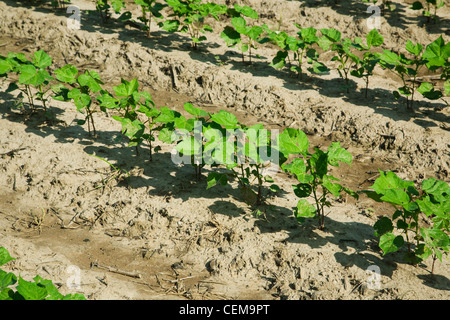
67 74
170 25
396 196
7 279
440 190
389 180
195 111
231 36
415 49
427 90
304 210
126 88
225 119
4 256
292 141
7 294
374 38
215 178
390 243
302 190
74 296
437 53
30 76
334 188
435 238
246 11
280 60
331 34
53 293
41 59
30 290
382 226
5 66
336 153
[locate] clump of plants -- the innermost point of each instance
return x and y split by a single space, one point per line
411 206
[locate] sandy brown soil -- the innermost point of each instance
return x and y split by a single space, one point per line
186 242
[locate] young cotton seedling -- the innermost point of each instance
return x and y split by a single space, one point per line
190 18
406 69
149 9
311 171
83 86
33 76
331 40
410 205
241 33
364 66
246 152
301 47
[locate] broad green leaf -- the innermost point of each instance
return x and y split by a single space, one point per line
382 226
53 293
225 119
231 36
167 135
30 76
7 279
331 34
126 88
5 66
441 209
195 111
215 178
435 238
302 190
427 90
6 294
279 61
240 25
246 11
297 167
304 210
41 59
334 188
336 153
319 163
67 74
374 38
170 25
292 141
31 290
390 243
437 53
415 49
389 180
167 115
396 196
4 256
440 190
108 101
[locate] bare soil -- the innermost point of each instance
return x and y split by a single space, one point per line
59 205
